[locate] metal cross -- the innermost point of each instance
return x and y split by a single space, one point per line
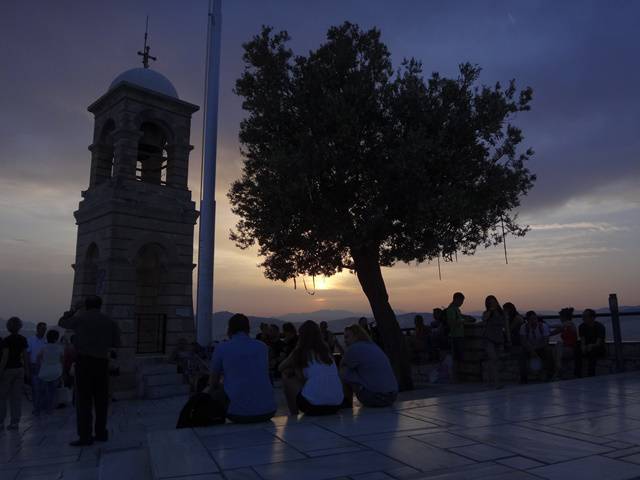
145 51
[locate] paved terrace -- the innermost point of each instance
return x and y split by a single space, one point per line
585 429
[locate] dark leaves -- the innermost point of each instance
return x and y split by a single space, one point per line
343 153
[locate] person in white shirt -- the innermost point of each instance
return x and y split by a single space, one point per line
50 361
309 375
534 335
35 343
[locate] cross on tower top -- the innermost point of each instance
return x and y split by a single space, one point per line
145 51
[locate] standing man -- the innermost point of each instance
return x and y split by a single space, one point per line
592 342
95 335
35 344
455 320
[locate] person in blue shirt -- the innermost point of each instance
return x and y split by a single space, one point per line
366 370
245 394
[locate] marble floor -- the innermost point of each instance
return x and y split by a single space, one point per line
587 429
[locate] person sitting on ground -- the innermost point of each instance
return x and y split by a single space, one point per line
592 342
246 394
566 345
50 360
515 322
494 328
14 368
456 322
309 375
366 371
534 336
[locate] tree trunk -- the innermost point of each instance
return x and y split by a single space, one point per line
367 266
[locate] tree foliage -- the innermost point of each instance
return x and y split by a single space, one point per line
343 153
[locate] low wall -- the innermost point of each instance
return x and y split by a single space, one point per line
472 368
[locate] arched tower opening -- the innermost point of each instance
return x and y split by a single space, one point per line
151 165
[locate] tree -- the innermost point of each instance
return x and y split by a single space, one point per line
352 165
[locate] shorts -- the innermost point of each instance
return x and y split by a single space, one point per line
312 410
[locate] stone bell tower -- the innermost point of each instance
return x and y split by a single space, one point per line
136 219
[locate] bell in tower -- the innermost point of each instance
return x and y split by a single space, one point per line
136 219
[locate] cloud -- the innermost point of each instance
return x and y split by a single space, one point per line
592 226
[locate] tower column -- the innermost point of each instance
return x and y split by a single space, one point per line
178 165
101 163
125 152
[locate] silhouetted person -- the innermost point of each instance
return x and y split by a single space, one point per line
14 367
456 322
592 342
515 322
246 394
366 370
567 345
494 332
95 335
35 345
50 371
330 339
534 336
309 375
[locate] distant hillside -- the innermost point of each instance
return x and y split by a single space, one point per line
318 316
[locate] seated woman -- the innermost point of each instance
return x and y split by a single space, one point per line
309 375
366 370
566 346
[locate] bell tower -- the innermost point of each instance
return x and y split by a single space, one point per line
136 218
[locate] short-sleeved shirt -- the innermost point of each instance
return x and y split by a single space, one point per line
590 334
35 346
365 364
244 363
455 321
535 337
16 345
95 333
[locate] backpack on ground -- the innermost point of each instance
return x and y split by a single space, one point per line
201 410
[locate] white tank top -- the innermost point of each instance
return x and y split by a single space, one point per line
323 385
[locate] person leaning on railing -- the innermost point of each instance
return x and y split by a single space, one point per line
591 341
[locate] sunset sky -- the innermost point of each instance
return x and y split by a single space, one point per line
580 58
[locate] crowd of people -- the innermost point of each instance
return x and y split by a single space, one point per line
505 330
44 362
319 374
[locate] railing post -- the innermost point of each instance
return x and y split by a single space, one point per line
617 335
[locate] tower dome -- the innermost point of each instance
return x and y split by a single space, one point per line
146 78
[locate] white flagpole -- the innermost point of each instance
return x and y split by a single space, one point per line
207 196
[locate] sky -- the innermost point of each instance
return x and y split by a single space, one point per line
580 58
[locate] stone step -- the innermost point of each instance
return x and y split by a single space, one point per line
163 391
157 369
163 379
131 464
178 453
125 394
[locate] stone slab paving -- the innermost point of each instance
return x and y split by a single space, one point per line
588 428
